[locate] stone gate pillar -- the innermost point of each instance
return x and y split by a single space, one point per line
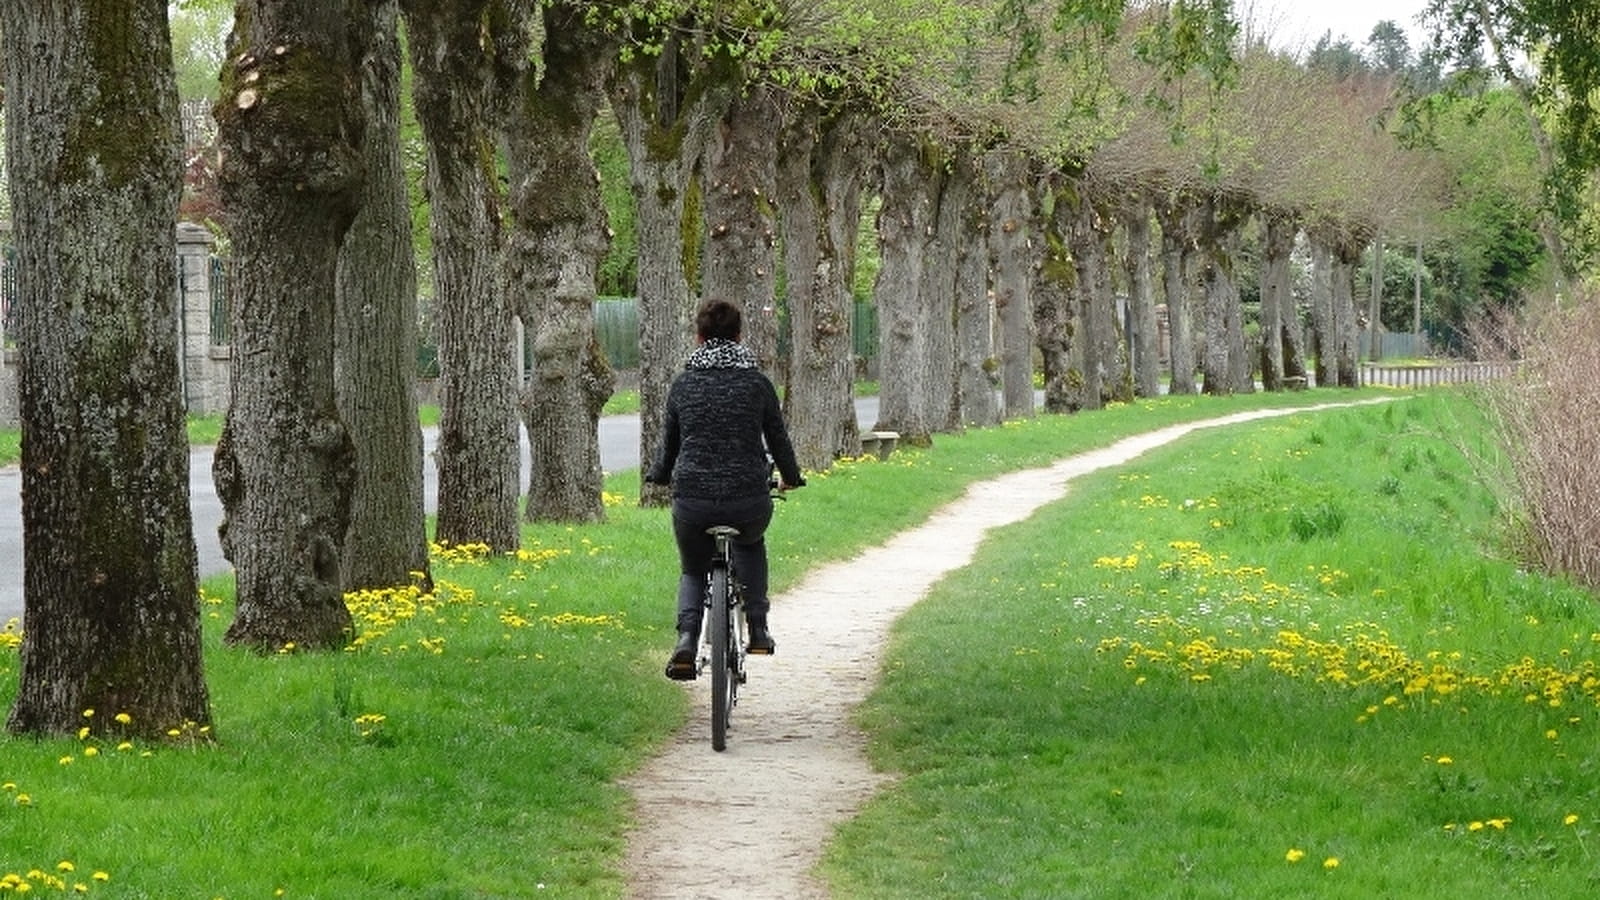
202 363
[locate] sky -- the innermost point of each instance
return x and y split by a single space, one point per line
1297 24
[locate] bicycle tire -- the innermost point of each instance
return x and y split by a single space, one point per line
722 638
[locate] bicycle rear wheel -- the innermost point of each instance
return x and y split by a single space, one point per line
722 637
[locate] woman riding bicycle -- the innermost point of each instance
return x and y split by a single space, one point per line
722 433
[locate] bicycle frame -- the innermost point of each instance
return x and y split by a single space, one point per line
722 638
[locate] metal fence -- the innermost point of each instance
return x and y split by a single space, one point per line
1433 375
616 322
220 335
8 294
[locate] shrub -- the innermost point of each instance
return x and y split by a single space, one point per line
1545 419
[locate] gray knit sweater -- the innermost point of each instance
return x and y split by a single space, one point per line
722 420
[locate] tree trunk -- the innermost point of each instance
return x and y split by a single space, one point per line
557 239
665 141
1102 376
1226 366
1178 224
478 455
290 123
1346 349
912 180
819 186
977 368
1375 303
1277 300
1053 296
375 349
1322 333
937 396
741 256
1144 342
1011 233
112 622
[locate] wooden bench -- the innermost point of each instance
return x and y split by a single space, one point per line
1294 382
879 443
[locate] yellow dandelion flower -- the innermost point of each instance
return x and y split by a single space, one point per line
1331 862
65 760
1551 734
88 713
1294 855
1498 824
123 718
101 876
24 800
1475 826
1445 761
91 751
66 866
1571 819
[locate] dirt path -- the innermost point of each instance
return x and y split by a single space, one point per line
795 767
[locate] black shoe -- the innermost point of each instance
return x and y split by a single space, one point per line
761 640
681 666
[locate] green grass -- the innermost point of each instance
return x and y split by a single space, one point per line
1285 639
514 699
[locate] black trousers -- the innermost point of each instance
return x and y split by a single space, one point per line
690 519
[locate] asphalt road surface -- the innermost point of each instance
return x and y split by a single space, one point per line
619 449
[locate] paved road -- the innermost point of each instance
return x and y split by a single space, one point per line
619 449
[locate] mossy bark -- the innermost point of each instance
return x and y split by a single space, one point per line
1282 354
1053 305
479 457
375 350
741 217
291 124
665 108
1145 341
1177 218
819 187
557 238
975 403
912 312
112 611
1099 346
1226 364
1012 231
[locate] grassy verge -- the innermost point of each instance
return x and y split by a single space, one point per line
469 743
1269 661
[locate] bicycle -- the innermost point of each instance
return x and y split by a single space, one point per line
722 639
723 647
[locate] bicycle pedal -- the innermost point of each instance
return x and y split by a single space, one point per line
682 671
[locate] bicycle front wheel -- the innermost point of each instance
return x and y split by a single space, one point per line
722 684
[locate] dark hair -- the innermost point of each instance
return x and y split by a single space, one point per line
718 319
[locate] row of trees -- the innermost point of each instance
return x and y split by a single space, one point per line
1013 147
